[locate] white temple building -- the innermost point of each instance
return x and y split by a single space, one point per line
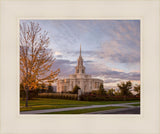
80 78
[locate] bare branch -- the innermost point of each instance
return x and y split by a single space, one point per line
36 60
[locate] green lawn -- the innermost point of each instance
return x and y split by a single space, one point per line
82 111
135 104
45 103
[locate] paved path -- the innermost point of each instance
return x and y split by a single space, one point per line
130 110
77 108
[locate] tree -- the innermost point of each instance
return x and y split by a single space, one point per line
22 91
43 88
36 59
117 92
101 90
50 88
137 89
75 89
111 92
125 88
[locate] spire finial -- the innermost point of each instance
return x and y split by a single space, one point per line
80 49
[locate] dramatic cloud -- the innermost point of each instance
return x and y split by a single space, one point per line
110 48
118 51
66 67
109 75
122 75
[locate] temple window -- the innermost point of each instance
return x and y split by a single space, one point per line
96 84
82 70
77 70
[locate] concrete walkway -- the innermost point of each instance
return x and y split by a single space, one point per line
128 110
77 108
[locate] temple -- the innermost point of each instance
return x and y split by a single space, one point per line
80 78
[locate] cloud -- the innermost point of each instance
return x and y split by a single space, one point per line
110 81
110 76
120 52
59 56
122 75
111 48
57 53
66 67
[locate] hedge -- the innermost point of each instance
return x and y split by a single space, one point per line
31 94
58 96
91 97
87 97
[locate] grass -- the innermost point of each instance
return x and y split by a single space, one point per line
46 103
82 111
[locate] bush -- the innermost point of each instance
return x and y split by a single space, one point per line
58 96
86 97
97 97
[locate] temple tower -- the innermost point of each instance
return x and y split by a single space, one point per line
80 69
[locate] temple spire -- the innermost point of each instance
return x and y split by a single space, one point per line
80 49
80 69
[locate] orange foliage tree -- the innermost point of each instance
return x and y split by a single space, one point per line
36 59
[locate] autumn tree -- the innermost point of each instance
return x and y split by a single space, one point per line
125 88
36 59
50 88
43 88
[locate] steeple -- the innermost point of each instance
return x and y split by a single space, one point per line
80 59
80 68
80 49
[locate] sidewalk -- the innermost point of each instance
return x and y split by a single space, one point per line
128 110
76 108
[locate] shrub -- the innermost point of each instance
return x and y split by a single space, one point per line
31 94
58 96
97 97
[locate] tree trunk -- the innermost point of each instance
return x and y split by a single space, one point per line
27 90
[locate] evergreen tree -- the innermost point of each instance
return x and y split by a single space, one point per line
75 89
101 90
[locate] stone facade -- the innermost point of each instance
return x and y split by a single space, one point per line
84 81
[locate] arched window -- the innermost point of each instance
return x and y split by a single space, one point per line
82 70
77 70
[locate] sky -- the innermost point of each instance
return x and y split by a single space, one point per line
110 48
